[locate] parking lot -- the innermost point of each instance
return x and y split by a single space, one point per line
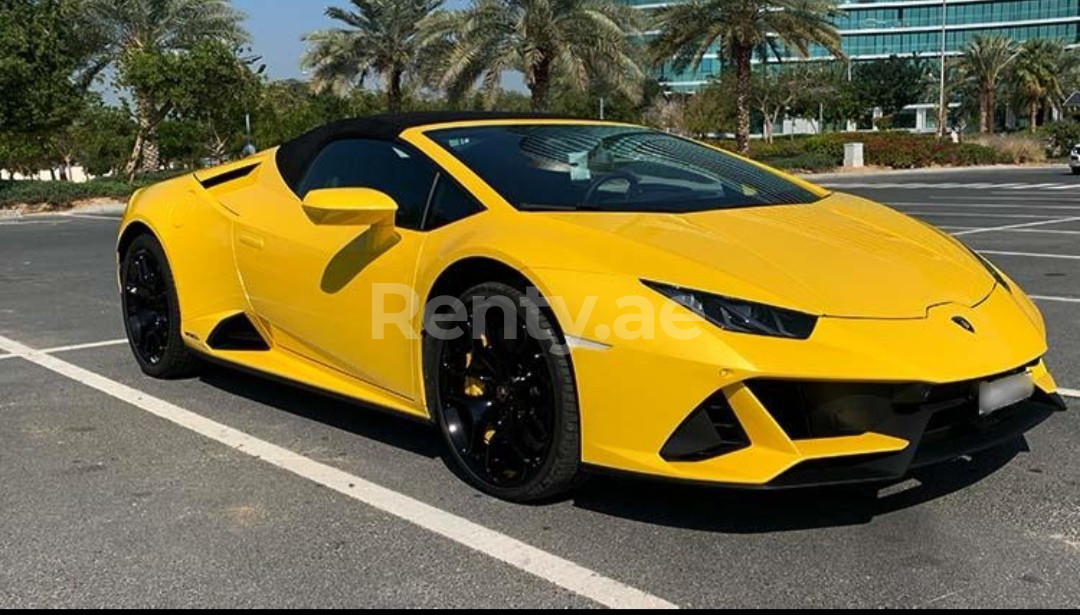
233 491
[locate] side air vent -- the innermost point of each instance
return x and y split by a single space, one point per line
711 430
237 333
228 176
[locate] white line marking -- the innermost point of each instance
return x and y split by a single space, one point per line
987 206
967 215
544 565
1070 393
1014 226
1068 257
1055 299
6 356
85 346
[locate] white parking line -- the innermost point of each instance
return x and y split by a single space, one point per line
967 215
6 356
90 346
1010 227
544 565
1069 393
987 206
1055 299
1068 257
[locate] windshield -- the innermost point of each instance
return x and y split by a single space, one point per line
564 167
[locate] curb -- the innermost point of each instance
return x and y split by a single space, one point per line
101 209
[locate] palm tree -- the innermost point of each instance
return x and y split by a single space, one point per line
1035 79
129 27
382 37
984 62
573 43
691 30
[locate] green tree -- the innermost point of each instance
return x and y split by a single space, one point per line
984 62
738 27
385 38
567 43
287 109
133 31
43 78
99 139
208 86
1035 78
890 84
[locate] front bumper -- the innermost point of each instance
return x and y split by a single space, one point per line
934 437
634 396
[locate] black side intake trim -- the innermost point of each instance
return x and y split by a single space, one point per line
229 176
711 430
237 333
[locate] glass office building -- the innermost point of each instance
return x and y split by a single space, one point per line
873 29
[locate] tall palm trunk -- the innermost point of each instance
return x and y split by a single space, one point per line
984 126
540 84
743 56
394 91
1033 110
145 156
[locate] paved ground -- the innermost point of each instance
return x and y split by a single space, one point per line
103 502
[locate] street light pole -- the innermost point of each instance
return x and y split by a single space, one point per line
942 110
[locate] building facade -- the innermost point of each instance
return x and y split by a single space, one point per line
874 29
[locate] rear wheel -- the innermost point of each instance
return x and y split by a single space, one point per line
504 400
1076 170
152 312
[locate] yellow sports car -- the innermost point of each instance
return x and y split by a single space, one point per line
560 295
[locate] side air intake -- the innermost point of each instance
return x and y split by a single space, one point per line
237 333
711 430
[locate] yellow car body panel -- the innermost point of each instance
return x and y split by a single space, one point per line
886 288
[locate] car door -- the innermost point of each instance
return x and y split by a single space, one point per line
321 289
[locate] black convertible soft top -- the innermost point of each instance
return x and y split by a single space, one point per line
294 157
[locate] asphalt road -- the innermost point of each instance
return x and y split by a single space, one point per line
103 503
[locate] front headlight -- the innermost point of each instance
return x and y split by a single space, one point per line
740 316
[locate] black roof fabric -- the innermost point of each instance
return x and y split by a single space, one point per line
293 157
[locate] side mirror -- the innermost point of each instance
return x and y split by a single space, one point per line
350 207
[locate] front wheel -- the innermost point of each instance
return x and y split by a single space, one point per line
152 312
505 400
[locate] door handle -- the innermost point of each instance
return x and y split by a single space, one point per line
251 240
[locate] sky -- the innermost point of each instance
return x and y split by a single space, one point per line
276 28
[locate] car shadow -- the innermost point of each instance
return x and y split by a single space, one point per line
645 500
360 419
736 511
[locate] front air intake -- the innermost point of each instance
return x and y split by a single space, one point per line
711 430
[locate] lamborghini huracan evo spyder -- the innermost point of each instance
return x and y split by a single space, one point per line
838 341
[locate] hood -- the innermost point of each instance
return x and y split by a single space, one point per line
843 257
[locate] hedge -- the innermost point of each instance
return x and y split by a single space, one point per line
897 150
64 194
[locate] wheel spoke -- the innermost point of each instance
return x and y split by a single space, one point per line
496 391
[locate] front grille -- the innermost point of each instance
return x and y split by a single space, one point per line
811 410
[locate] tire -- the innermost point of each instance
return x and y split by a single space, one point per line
151 312
1076 170
522 402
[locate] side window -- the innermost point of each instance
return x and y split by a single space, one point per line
449 204
381 165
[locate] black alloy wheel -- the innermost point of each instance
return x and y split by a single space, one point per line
505 400
152 313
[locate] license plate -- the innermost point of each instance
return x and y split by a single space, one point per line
998 394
